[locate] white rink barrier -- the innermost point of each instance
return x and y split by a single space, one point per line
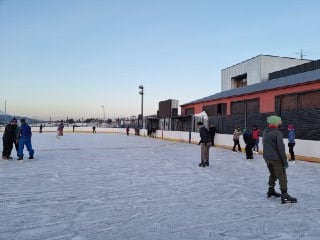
304 149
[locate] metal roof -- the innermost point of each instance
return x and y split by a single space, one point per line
300 78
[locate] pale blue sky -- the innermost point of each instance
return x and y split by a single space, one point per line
66 58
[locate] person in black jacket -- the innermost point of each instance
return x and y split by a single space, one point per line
250 142
205 141
9 139
212 132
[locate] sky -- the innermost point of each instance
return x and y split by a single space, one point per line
68 58
110 186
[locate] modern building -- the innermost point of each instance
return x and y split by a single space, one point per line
292 93
255 70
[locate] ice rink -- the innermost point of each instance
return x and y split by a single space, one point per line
113 186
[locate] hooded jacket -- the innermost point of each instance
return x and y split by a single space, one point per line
273 146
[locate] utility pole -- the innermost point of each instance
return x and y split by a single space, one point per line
5 110
141 93
104 115
301 54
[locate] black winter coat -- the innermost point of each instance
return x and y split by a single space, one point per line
10 133
204 135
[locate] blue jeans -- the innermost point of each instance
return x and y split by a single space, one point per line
256 145
27 142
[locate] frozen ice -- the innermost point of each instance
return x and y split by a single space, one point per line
112 186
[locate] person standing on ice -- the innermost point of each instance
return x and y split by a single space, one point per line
249 141
205 142
60 129
212 132
25 140
9 139
236 136
291 141
255 135
275 156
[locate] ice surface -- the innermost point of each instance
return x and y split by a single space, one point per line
113 186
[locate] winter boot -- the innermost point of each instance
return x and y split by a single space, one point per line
206 163
31 157
20 158
285 198
272 192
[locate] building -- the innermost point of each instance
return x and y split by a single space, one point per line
292 93
255 70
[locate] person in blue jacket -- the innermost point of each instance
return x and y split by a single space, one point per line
291 141
25 139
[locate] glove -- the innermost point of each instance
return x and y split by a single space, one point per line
199 143
285 164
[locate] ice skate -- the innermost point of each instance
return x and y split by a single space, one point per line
286 198
272 192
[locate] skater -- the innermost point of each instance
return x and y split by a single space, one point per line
236 135
94 129
9 139
60 129
40 128
127 130
212 132
25 139
291 141
205 144
249 141
256 136
153 132
276 159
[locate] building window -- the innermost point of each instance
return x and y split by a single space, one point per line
302 100
215 109
247 106
309 100
239 81
253 106
237 107
189 111
289 102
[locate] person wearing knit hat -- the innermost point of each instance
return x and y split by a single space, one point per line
9 138
275 156
291 141
274 120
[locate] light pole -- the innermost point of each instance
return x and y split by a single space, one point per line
141 93
104 115
5 110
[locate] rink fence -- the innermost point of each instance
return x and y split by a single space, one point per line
306 150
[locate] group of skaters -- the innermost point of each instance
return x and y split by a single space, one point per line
274 152
251 140
18 136
151 132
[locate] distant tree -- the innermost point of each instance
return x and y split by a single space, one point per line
109 121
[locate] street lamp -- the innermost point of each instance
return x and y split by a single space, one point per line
104 114
141 93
